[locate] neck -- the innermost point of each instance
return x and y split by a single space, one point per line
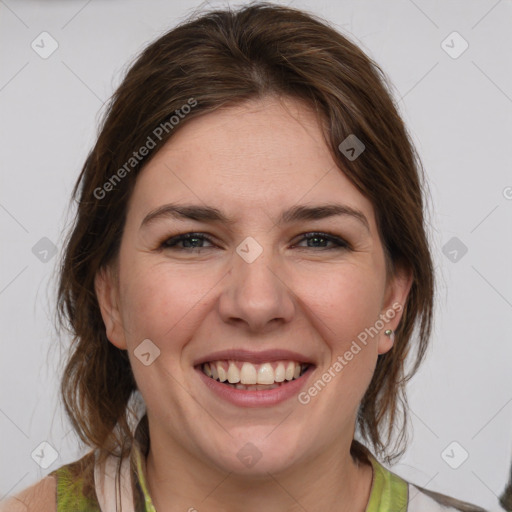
330 481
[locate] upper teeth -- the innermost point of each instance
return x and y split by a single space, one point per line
249 373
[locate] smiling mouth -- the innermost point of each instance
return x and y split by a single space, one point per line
254 377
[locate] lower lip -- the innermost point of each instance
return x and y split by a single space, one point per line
260 398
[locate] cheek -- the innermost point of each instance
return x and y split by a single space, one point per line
162 302
346 300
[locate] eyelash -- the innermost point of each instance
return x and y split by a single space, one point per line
170 243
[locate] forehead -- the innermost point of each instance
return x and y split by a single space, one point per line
268 153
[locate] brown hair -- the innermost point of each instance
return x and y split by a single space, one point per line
218 59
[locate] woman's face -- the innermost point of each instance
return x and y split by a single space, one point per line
258 283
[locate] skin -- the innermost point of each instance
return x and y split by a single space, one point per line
252 162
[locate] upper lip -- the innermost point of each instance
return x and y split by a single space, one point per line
254 357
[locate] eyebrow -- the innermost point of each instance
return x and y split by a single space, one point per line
213 215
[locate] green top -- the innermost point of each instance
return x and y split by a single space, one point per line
389 492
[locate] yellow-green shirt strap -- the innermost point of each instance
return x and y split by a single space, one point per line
141 470
70 495
389 492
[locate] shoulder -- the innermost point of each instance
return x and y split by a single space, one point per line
70 487
423 500
40 497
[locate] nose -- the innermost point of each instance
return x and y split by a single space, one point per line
257 294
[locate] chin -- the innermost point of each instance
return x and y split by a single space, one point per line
257 453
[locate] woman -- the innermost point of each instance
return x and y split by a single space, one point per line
247 266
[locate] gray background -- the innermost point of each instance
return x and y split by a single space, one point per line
459 112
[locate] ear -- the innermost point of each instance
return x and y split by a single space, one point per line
397 291
106 287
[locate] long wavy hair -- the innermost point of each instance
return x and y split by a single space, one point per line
222 58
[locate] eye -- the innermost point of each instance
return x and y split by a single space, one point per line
189 240
195 242
315 238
